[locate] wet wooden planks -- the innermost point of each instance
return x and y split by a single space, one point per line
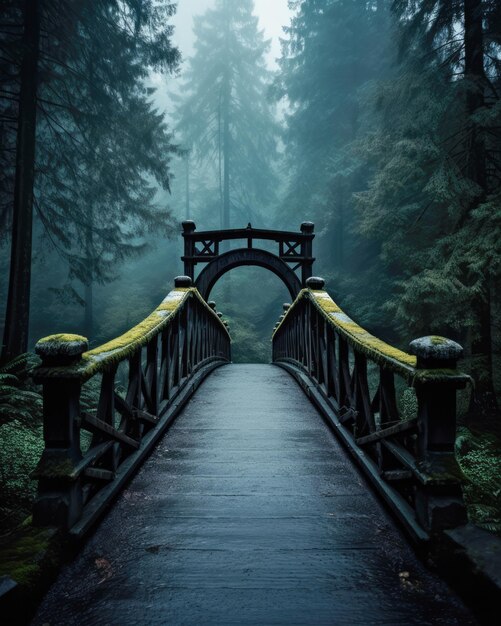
249 512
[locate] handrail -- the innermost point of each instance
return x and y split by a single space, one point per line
249 232
408 457
159 362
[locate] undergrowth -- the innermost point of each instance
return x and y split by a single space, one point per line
479 455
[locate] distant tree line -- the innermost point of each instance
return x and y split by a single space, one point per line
224 116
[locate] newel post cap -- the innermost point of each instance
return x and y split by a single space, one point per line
182 281
315 282
62 349
189 226
435 351
307 227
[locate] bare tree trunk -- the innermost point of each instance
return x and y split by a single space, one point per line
187 172
89 310
476 170
18 300
226 124
226 159
226 112
90 253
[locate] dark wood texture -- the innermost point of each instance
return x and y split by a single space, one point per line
389 434
294 254
142 387
248 512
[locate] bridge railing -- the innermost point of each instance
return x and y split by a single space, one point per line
395 412
105 408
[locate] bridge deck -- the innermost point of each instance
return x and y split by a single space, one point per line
248 512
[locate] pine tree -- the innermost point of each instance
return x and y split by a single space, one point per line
102 148
18 300
223 115
434 197
324 70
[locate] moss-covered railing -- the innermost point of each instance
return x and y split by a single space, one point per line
105 408
395 411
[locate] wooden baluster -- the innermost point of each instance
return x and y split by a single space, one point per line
135 398
388 414
365 416
151 375
344 375
333 374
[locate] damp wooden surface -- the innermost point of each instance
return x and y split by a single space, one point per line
248 512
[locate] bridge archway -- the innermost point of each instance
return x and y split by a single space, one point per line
224 263
294 255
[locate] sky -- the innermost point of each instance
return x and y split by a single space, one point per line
273 14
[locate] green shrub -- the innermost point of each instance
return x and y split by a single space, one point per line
479 455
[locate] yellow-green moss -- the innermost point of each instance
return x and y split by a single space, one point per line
53 467
62 338
21 556
105 356
441 470
440 375
437 341
374 347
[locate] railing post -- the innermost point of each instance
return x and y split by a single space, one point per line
189 228
307 229
59 500
439 499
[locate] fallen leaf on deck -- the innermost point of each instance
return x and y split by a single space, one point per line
104 568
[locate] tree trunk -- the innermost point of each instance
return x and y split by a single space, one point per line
18 299
89 291
188 186
89 310
475 75
226 161
481 347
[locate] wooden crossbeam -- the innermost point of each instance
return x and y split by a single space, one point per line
99 474
94 424
388 432
291 249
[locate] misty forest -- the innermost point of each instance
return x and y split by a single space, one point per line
377 120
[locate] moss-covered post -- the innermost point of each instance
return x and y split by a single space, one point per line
439 499
59 499
307 229
189 228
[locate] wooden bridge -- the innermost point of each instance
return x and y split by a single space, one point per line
251 508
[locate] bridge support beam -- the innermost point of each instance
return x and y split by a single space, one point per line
307 228
189 228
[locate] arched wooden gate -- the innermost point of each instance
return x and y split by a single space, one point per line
294 255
